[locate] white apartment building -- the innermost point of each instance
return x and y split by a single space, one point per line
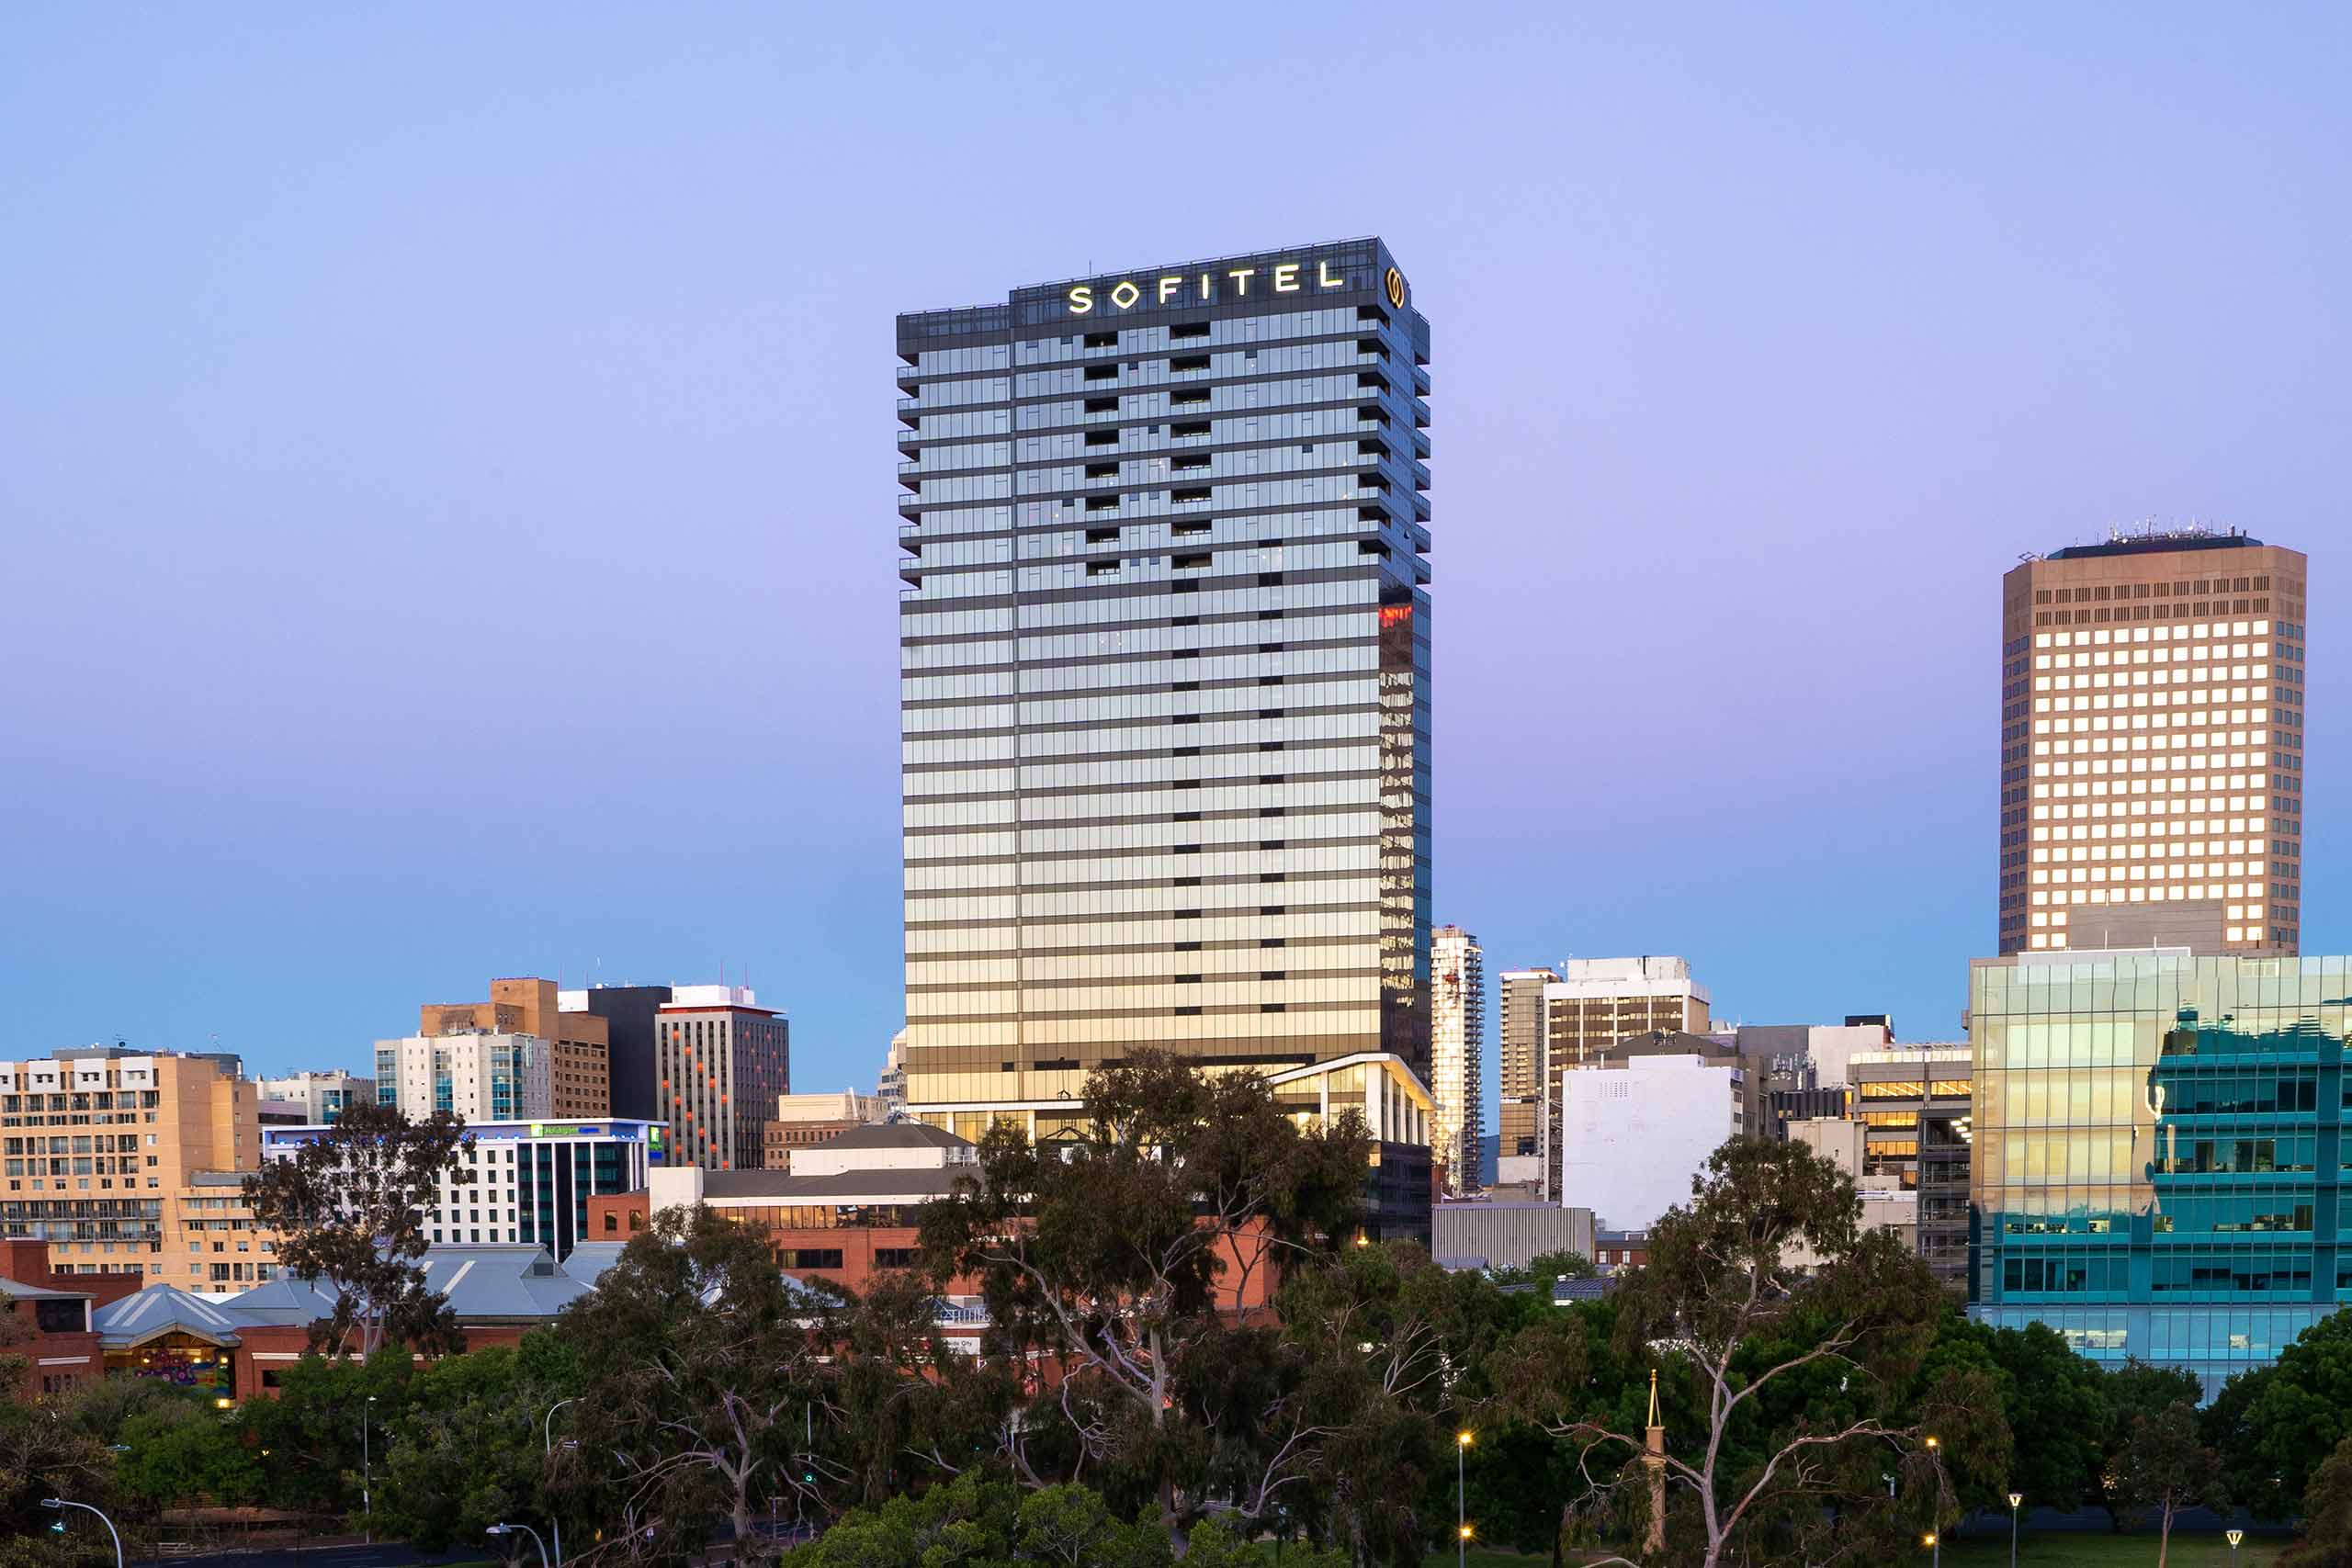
479 1077
1457 1054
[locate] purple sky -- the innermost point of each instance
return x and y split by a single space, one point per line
446 461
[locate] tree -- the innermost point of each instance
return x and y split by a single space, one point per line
979 1522
2227 1427
702 1365
2054 1403
42 1455
179 1454
2135 1389
2303 1410
349 1208
1113 1255
2327 1515
1546 1268
1785 1392
2165 1469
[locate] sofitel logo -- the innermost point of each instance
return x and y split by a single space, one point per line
1127 293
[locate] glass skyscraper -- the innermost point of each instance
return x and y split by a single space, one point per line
1165 656
2159 1151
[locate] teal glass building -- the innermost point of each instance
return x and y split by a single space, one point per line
2157 1152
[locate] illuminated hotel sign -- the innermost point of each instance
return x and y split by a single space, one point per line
1196 287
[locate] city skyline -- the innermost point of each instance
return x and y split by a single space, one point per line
324 465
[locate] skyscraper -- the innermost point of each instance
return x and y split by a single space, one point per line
1458 1054
722 1061
1519 1075
2152 746
1164 644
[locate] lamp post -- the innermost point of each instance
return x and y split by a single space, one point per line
366 1473
65 1503
2233 1537
510 1529
1934 1544
2015 1499
547 1446
1461 1506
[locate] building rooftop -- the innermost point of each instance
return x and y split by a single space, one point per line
2158 543
896 1185
897 1136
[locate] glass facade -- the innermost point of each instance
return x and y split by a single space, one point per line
2158 1151
1164 646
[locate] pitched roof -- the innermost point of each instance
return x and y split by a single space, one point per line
161 1309
23 1292
483 1284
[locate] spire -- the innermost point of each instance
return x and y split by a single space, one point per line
1654 1420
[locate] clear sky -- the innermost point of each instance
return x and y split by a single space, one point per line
445 456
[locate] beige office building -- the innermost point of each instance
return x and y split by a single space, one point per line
578 1044
2152 746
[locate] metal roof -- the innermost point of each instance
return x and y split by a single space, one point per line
160 1309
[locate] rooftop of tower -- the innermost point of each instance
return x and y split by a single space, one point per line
2156 541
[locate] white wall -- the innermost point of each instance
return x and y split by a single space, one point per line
1631 1137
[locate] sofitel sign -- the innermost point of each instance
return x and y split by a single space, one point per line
1285 278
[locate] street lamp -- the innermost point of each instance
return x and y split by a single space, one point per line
1934 1544
2015 1499
366 1473
2233 1537
547 1446
64 1502
1461 1514
510 1529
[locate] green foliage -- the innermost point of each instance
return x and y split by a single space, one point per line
184 1452
2053 1402
2302 1411
973 1522
1547 1267
2227 1427
2327 1514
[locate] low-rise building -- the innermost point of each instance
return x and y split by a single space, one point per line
802 1120
1506 1234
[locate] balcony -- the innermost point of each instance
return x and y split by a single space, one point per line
910 536
909 503
911 570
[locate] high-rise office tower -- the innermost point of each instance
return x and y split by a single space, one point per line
1166 710
1458 1052
629 1014
2152 746
722 1060
1519 1073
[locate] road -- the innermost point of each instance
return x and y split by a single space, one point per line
386 1554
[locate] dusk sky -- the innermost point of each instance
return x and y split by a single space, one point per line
447 458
